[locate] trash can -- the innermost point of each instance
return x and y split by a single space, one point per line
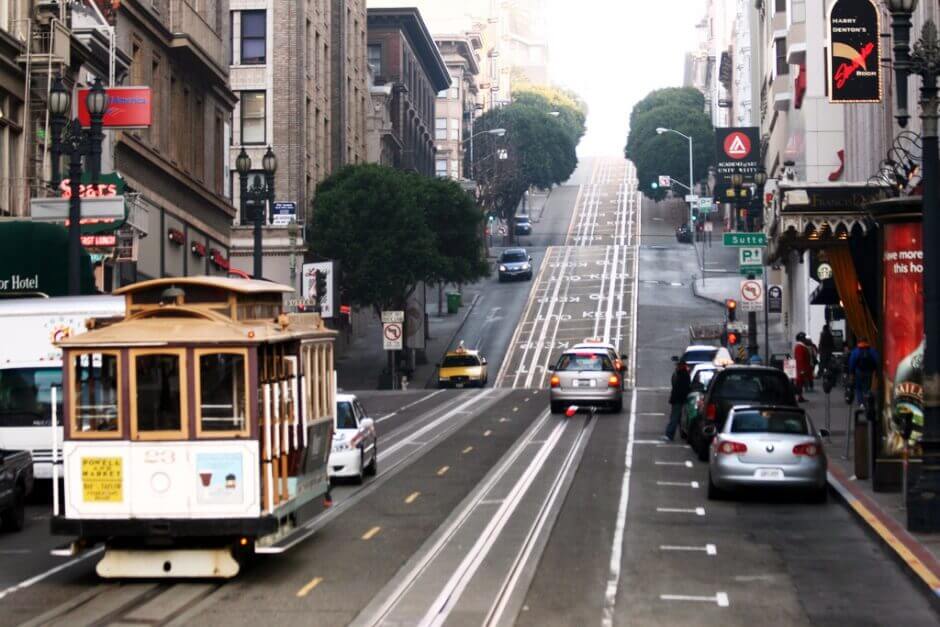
453 302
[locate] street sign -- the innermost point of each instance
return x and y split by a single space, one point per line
393 316
750 256
745 239
692 198
706 205
774 299
752 295
665 181
392 336
748 270
283 213
57 209
737 151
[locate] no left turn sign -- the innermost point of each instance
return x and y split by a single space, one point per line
392 336
752 295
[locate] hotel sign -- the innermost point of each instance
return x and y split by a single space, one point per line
854 52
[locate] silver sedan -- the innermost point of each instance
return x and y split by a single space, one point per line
767 447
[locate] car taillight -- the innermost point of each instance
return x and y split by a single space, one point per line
555 381
613 381
711 412
618 365
728 447
810 450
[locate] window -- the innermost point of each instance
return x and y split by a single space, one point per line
159 385
95 388
254 37
780 6
585 362
440 128
792 422
460 361
780 46
440 168
345 418
156 82
199 140
454 129
375 58
26 396
253 117
222 403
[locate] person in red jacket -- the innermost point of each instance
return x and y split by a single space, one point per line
804 365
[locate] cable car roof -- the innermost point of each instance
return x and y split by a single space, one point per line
240 286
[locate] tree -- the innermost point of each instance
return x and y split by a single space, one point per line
680 109
456 221
370 219
572 112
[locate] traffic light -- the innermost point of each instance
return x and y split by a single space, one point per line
320 282
731 306
654 185
732 339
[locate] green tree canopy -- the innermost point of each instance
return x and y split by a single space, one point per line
370 219
572 112
456 221
668 154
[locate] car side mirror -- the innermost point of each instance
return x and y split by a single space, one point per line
530 257
550 368
824 433
483 360
367 423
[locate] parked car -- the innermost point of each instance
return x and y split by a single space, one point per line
737 385
16 483
768 446
462 367
585 377
523 225
705 353
684 233
355 451
515 263
701 376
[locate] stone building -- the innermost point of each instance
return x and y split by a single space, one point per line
456 107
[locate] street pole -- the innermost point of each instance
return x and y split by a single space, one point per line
75 217
257 271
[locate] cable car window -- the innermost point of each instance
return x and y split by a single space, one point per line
95 410
159 393
222 405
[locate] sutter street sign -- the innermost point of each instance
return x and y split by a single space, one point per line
745 239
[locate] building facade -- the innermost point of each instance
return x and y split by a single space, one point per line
456 106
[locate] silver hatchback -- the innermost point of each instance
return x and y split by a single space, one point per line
585 377
767 447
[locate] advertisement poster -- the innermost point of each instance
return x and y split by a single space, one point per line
219 479
855 53
903 344
737 150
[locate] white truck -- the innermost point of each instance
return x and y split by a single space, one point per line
31 365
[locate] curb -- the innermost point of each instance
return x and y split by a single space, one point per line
473 303
705 298
920 563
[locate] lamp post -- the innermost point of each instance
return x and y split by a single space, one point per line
923 495
662 130
760 179
71 139
496 132
737 183
260 193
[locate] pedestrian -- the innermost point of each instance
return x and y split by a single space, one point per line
813 362
681 386
827 345
804 365
863 362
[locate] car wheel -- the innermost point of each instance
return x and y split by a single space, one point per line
14 519
714 492
373 468
557 408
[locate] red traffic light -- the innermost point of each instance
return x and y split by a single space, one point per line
732 338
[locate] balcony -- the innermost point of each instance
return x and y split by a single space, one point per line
194 37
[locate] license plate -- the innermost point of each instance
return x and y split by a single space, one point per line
584 383
460 385
768 473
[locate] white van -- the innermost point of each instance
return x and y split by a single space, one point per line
30 366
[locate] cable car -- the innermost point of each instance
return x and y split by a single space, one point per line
196 429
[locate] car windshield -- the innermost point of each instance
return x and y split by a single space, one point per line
585 361
770 421
460 361
514 256
700 355
522 220
345 419
26 397
766 388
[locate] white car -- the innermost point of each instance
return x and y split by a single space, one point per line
355 451
703 353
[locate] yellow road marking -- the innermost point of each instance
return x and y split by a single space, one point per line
467 450
313 583
487 433
411 498
371 533
916 565
443 471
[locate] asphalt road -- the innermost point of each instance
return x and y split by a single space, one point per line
488 510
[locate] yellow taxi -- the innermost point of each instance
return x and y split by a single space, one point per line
462 367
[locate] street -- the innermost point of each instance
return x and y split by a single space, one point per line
487 509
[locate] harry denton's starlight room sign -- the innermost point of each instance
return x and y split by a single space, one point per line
854 52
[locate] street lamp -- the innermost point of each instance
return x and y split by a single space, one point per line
260 194
495 132
659 131
70 138
923 495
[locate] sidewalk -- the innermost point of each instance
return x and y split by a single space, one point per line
882 512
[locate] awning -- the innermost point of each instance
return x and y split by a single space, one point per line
34 258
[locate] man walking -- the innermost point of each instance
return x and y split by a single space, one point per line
681 385
863 362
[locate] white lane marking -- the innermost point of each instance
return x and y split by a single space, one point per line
753 578
652 413
698 511
686 463
415 437
52 571
720 599
680 484
15 551
544 330
408 406
616 548
708 549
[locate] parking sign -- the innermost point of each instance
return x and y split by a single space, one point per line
750 256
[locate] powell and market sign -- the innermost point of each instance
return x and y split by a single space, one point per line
854 52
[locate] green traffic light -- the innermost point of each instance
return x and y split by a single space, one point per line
654 185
